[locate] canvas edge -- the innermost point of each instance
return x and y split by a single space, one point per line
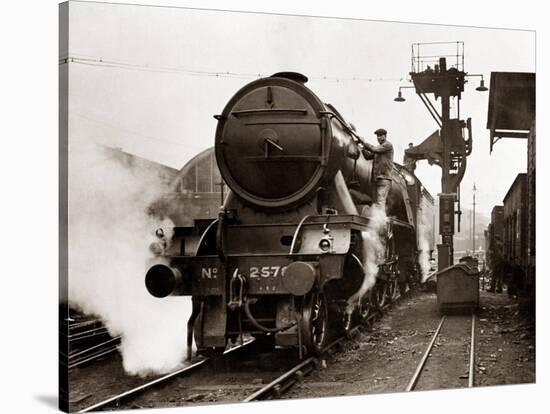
63 98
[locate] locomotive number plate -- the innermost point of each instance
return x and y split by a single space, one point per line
264 279
266 272
254 272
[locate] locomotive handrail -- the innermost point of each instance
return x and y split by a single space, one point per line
358 261
291 158
297 232
269 111
204 235
345 125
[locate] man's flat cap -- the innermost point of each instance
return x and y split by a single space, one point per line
381 131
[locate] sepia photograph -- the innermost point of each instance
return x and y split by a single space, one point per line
264 206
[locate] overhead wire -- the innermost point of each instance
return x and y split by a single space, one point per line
129 132
102 62
96 61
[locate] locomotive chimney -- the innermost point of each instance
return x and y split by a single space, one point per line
295 76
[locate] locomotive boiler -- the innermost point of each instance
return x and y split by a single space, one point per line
287 250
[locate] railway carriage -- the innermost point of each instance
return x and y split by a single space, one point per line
512 114
509 244
515 217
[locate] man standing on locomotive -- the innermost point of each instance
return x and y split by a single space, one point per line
382 165
382 155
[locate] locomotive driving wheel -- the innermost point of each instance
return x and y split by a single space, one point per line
315 321
380 294
365 307
393 290
403 287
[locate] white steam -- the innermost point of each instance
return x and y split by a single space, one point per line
109 235
424 233
373 252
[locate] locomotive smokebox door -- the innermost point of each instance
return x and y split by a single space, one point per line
273 143
458 288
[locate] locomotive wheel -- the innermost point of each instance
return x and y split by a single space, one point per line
396 292
393 290
380 294
365 307
403 287
315 322
390 289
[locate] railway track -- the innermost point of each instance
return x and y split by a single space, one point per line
87 341
91 353
453 337
285 381
278 380
274 388
119 398
294 375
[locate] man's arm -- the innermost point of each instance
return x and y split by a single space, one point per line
378 149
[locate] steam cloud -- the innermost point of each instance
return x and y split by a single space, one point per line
424 232
109 235
373 248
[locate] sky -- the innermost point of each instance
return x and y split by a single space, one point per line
150 79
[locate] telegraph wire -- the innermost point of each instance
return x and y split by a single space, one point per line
98 61
130 132
110 63
157 70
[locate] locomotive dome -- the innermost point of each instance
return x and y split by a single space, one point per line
270 142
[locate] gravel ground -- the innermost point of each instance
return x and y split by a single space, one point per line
228 379
98 381
384 359
377 361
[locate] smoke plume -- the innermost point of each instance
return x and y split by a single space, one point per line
424 232
373 250
109 235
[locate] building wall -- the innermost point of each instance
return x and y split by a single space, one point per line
531 206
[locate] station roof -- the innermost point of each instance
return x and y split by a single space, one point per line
164 172
208 152
511 105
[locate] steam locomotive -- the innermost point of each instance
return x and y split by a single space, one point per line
286 251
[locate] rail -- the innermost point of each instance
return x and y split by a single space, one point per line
285 381
161 380
274 389
471 362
